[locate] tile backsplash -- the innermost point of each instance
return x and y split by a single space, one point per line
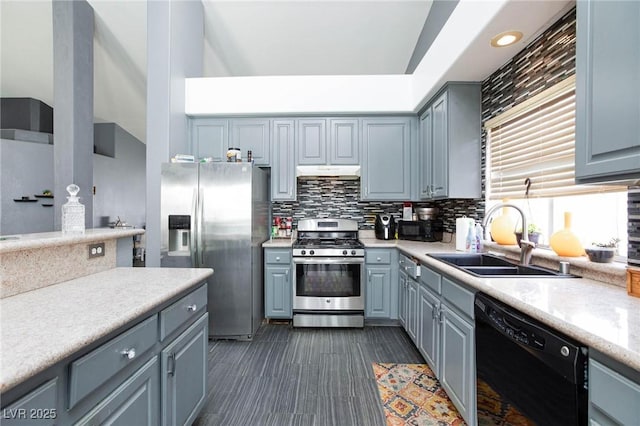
340 198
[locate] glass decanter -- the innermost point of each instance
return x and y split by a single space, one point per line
73 212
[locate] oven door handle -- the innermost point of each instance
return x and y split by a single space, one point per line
328 261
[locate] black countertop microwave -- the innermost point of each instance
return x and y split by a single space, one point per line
420 230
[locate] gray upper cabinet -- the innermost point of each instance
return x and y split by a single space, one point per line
312 141
607 91
449 146
209 138
386 163
252 134
283 177
344 141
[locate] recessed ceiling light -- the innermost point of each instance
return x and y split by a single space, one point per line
506 38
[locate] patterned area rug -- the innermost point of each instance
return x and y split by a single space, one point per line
411 395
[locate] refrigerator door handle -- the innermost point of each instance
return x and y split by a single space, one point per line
201 247
193 228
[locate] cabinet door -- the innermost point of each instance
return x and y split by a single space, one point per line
613 398
209 138
402 298
37 407
386 165
277 292
283 176
378 295
440 158
184 375
312 142
457 371
426 154
135 402
344 146
429 329
607 91
412 309
251 134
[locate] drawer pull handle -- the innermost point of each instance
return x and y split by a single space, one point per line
129 353
192 308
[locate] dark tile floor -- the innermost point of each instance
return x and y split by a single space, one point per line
301 376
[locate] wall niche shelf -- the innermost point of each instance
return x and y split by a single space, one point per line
24 200
47 205
43 196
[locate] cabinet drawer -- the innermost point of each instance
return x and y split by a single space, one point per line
92 370
458 297
37 407
431 280
278 256
378 257
182 311
613 394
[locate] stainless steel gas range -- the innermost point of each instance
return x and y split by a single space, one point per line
328 279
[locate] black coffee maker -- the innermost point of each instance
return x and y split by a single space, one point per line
385 227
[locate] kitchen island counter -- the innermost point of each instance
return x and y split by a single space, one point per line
598 314
46 326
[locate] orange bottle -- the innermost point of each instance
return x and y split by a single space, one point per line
564 242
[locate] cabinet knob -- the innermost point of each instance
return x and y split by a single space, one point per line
129 353
277 258
379 259
192 308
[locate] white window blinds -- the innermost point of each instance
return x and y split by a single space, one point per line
536 140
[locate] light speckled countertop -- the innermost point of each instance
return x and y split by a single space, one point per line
54 239
278 243
45 326
600 315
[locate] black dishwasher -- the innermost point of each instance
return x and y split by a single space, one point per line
527 373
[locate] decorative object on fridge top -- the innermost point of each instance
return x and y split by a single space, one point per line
234 155
564 242
183 158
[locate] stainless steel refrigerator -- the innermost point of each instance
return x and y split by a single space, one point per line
216 215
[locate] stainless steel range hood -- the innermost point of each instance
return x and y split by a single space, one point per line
345 172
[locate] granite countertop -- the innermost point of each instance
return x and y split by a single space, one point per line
9 243
43 327
600 315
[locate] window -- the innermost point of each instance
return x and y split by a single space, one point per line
534 142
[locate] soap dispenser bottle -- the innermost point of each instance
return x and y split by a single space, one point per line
73 212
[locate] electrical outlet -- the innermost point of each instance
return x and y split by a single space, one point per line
96 250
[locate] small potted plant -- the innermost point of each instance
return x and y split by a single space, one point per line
533 233
603 252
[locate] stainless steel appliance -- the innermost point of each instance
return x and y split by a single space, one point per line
385 227
420 230
526 370
227 209
328 281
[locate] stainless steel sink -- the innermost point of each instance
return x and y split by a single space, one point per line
488 265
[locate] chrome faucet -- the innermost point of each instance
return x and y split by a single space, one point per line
526 246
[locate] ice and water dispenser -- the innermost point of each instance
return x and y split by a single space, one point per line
179 233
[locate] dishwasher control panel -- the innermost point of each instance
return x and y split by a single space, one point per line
514 331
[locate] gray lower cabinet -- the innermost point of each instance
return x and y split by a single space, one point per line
184 375
381 285
135 402
386 163
614 396
449 144
412 308
607 91
278 290
209 138
402 298
39 406
283 174
446 337
252 134
134 378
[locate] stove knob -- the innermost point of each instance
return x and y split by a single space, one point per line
353 252
303 252
344 252
311 252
